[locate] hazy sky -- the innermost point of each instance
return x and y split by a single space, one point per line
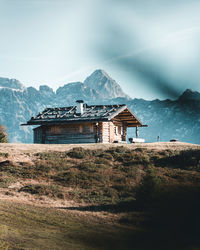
151 48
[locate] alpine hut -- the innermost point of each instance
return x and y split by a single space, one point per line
83 123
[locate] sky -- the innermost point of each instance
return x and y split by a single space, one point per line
150 47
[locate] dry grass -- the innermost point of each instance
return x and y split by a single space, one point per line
29 227
105 174
145 191
20 148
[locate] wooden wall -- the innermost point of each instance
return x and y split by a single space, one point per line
105 132
65 134
119 132
102 132
113 132
37 135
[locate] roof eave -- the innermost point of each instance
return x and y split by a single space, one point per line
122 109
117 112
54 121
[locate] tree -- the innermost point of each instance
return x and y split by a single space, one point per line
3 134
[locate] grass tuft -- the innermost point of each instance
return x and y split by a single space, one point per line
41 189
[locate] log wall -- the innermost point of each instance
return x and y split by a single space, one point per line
117 131
105 132
102 132
65 134
37 137
112 132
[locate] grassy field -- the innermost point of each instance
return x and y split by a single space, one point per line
30 227
112 197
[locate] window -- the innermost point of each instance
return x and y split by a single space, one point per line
87 128
53 129
81 129
119 130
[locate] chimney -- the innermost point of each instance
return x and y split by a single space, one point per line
79 107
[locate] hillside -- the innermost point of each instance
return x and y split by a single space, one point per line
131 192
169 119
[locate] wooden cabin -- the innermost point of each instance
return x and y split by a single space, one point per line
83 124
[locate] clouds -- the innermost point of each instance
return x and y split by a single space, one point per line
156 43
150 47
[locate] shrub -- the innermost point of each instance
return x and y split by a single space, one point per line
3 134
133 158
66 178
43 168
9 167
119 150
6 180
23 170
50 155
78 153
100 196
186 159
140 150
41 189
88 166
106 156
4 154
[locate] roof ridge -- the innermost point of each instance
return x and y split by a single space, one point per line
91 113
99 105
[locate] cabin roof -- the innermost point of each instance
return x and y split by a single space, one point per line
91 113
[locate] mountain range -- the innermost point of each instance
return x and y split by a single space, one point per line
167 119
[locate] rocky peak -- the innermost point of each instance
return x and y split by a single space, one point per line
46 92
70 92
45 88
11 83
100 81
189 95
70 88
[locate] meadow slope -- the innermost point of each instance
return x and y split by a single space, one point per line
98 196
